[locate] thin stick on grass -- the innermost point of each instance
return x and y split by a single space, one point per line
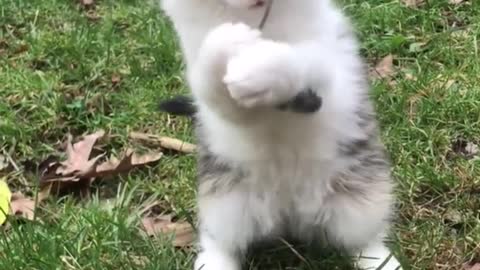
164 142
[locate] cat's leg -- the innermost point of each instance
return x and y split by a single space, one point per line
237 70
229 222
269 73
214 256
358 225
206 72
376 256
265 74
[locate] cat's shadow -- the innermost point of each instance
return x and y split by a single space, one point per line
283 255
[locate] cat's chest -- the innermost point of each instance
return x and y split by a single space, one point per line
289 180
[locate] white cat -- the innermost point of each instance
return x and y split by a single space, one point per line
267 173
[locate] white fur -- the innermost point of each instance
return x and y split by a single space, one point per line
236 73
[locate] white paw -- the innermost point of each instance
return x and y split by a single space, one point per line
226 40
377 257
263 74
208 260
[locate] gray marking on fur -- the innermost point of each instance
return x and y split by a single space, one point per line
213 173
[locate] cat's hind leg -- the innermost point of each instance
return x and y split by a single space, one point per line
376 256
358 224
229 223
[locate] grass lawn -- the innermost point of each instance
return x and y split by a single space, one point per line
65 70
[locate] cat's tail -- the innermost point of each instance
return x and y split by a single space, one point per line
178 105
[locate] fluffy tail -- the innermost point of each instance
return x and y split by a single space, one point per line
179 105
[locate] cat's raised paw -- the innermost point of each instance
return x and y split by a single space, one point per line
226 40
263 74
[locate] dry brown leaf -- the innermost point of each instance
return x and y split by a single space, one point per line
413 3
183 232
164 142
78 156
78 172
22 206
59 177
475 266
384 69
129 161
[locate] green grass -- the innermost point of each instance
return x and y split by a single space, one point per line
56 68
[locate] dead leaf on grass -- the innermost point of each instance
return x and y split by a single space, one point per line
384 69
79 170
164 142
78 156
22 206
182 232
129 160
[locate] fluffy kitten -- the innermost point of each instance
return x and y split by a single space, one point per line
267 173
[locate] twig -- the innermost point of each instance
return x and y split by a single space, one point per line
165 142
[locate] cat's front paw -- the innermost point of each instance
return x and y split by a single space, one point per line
263 74
225 41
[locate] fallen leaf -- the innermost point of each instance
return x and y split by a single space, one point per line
182 232
384 69
78 156
79 170
164 142
5 197
22 206
67 176
413 3
129 161
456 2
